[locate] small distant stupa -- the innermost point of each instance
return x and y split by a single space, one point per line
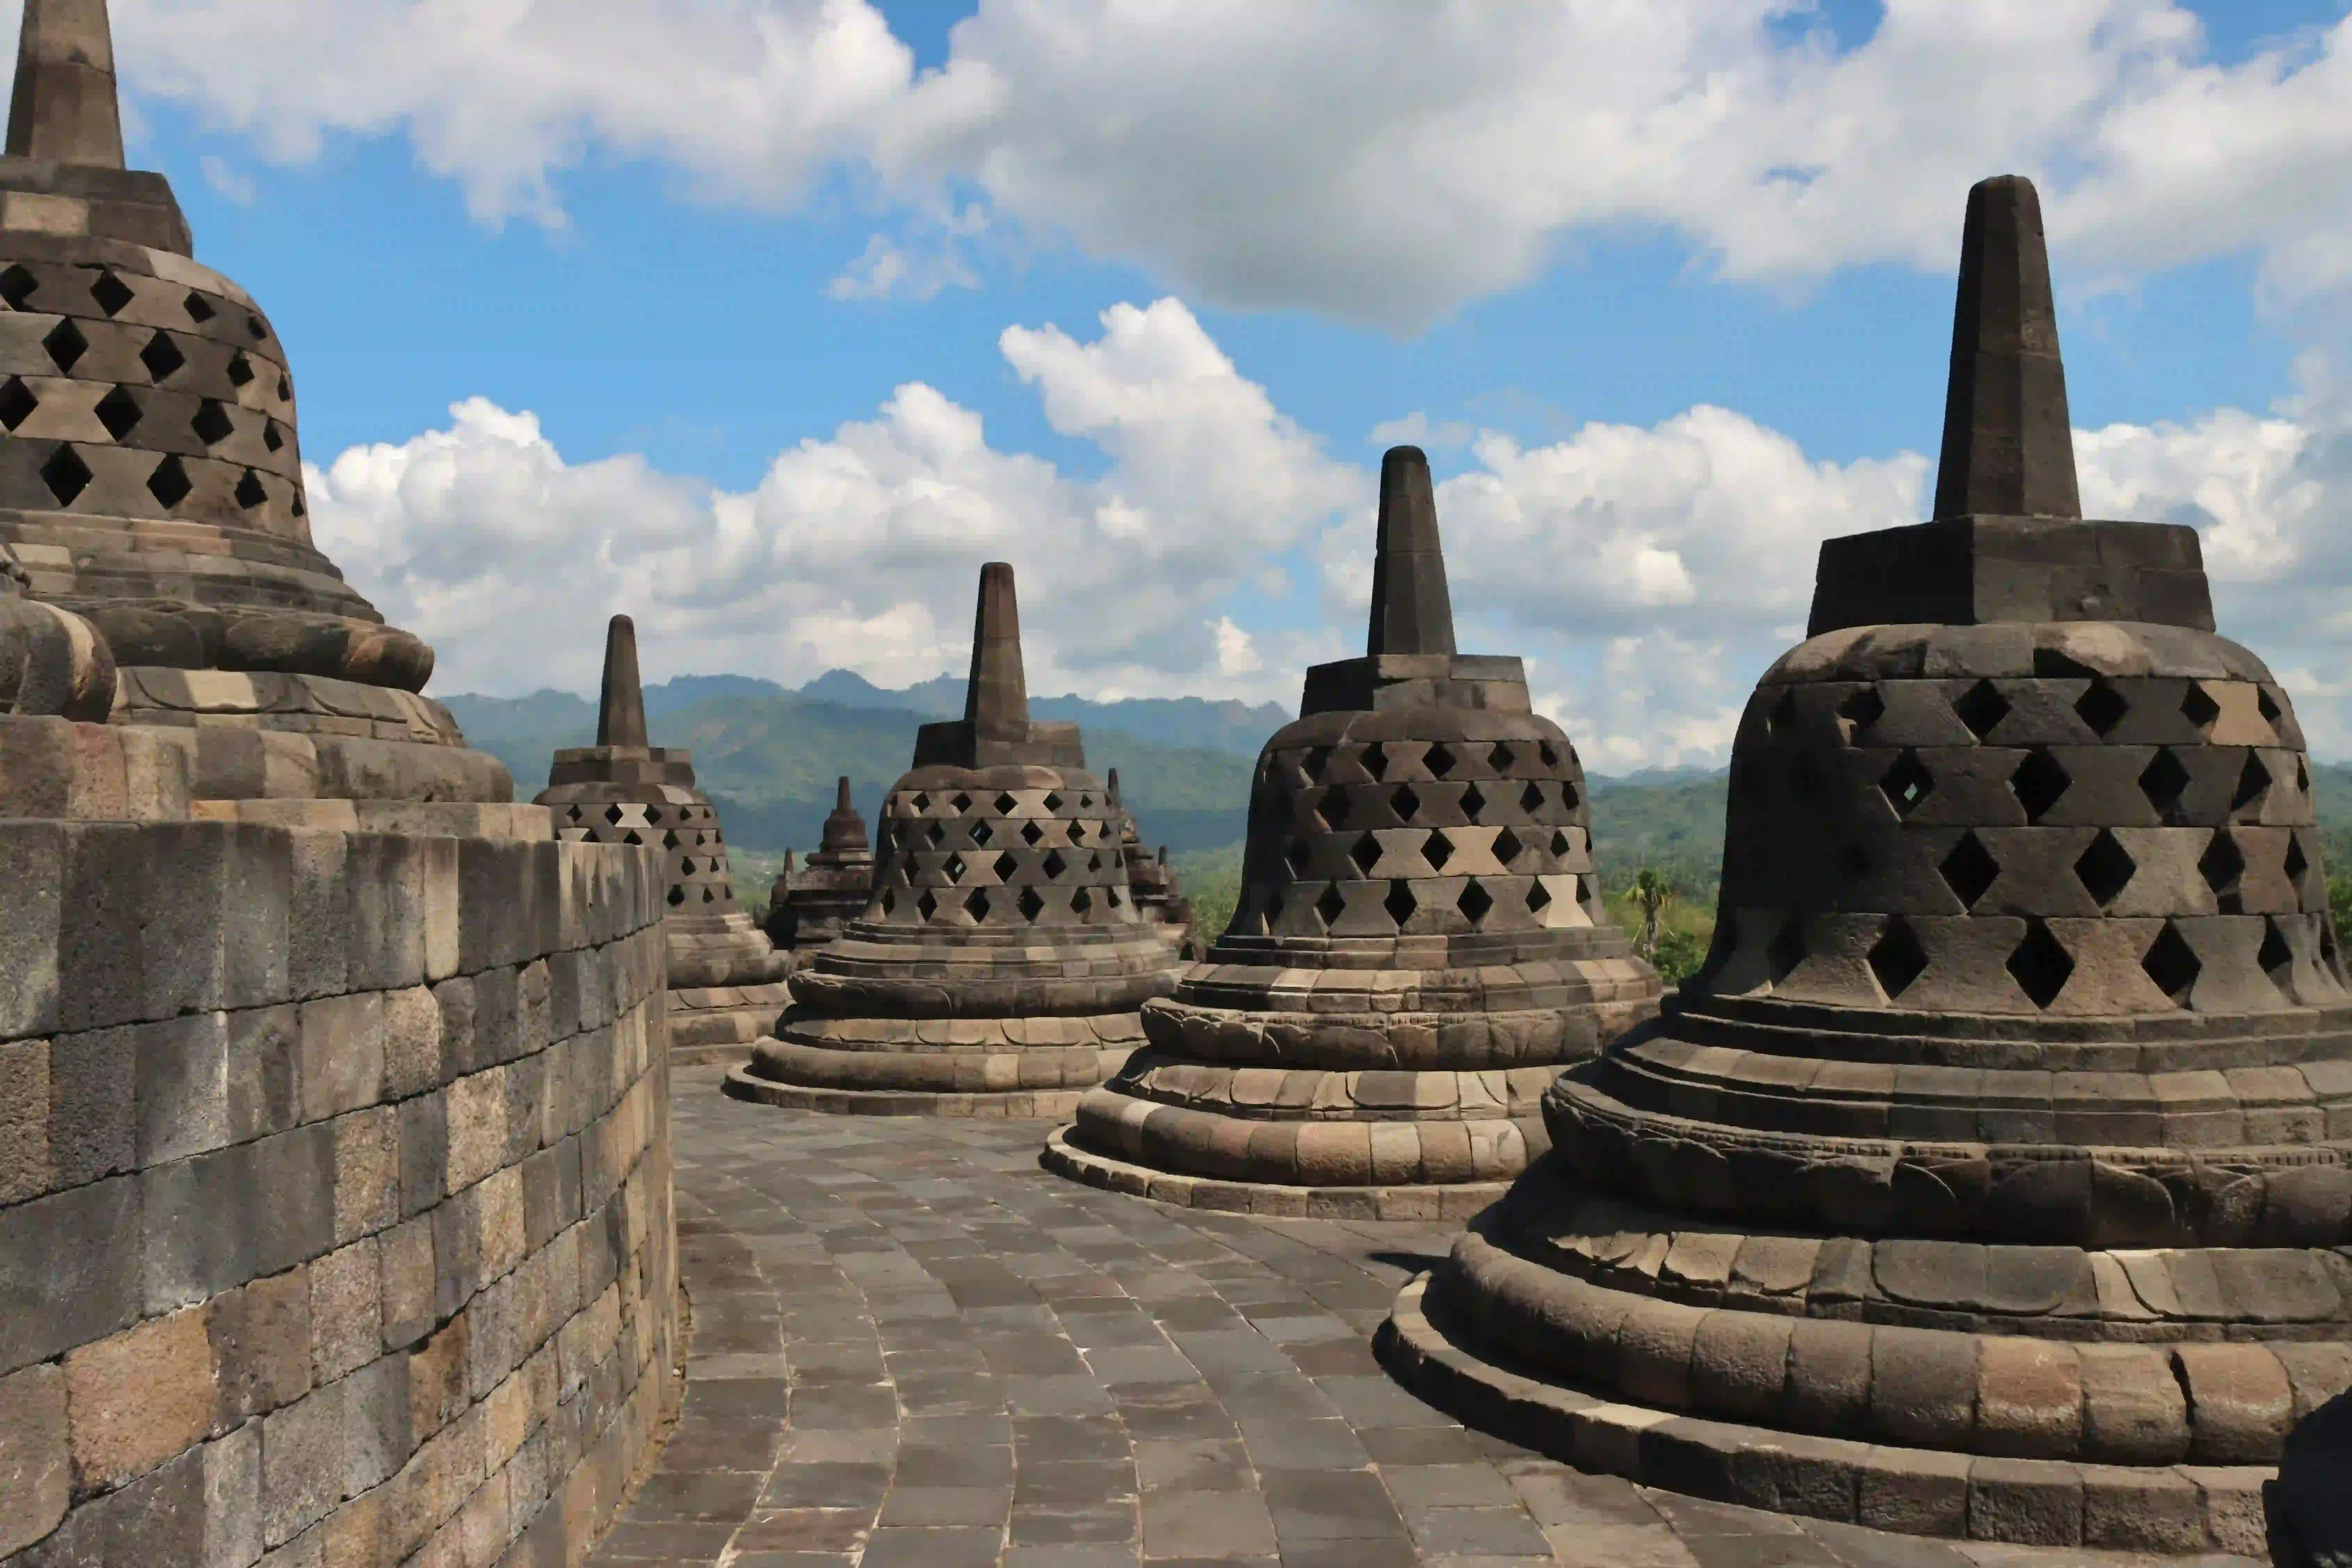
998 967
808 905
1159 892
725 979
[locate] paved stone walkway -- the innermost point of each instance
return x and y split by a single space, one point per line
914 1349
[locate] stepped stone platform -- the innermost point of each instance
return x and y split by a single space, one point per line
1994 1174
726 981
998 967
809 905
913 1349
1421 942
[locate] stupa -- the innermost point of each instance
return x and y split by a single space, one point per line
808 905
1420 946
150 475
1158 892
998 968
726 981
1989 1178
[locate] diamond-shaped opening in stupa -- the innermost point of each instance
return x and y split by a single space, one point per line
111 292
1400 904
2277 957
2196 705
1981 707
2104 868
1437 851
1969 870
2172 964
1365 852
1905 783
1896 958
2040 964
1474 902
2102 707
2038 782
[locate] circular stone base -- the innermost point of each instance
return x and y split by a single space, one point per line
2177 1509
1452 1201
719 1024
1041 1104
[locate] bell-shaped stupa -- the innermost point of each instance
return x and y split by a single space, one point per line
1990 1178
998 967
150 477
726 981
809 904
1421 944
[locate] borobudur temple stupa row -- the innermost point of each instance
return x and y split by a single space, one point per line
726 979
1421 942
998 965
809 904
1989 1179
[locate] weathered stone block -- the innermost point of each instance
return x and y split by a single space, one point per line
342 1053
260 1338
24 1120
69 1270
93 1105
346 1309
264 1071
36 1457
138 1399
367 1171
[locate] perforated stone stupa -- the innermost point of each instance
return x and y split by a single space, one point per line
1989 1179
1420 946
150 475
809 905
998 968
725 979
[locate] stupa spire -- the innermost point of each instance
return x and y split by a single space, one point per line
1411 612
2009 444
621 711
65 109
841 802
996 698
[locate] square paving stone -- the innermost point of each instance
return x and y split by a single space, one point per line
1206 1525
1072 1485
1419 1445
825 1485
1105 1524
934 1505
1449 1486
952 1547
1195 1464
978 1465
637 1539
805 1529
844 1404
1485 1532
1328 1444
1330 1505
697 1494
1054 1439
840 1445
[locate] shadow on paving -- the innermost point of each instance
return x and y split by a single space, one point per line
914 1349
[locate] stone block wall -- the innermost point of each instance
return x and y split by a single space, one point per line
335 1206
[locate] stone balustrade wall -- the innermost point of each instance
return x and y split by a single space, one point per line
335 1206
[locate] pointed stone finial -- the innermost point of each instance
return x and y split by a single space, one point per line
845 830
996 698
621 711
65 109
1410 610
1112 784
2009 444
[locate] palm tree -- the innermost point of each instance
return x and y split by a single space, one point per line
1650 893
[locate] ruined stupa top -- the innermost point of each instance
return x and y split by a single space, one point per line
2008 542
996 729
845 832
1409 660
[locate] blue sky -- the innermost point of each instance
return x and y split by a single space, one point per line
680 325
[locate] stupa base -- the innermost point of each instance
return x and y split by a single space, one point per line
720 1023
1065 1156
1012 1105
1428 1347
